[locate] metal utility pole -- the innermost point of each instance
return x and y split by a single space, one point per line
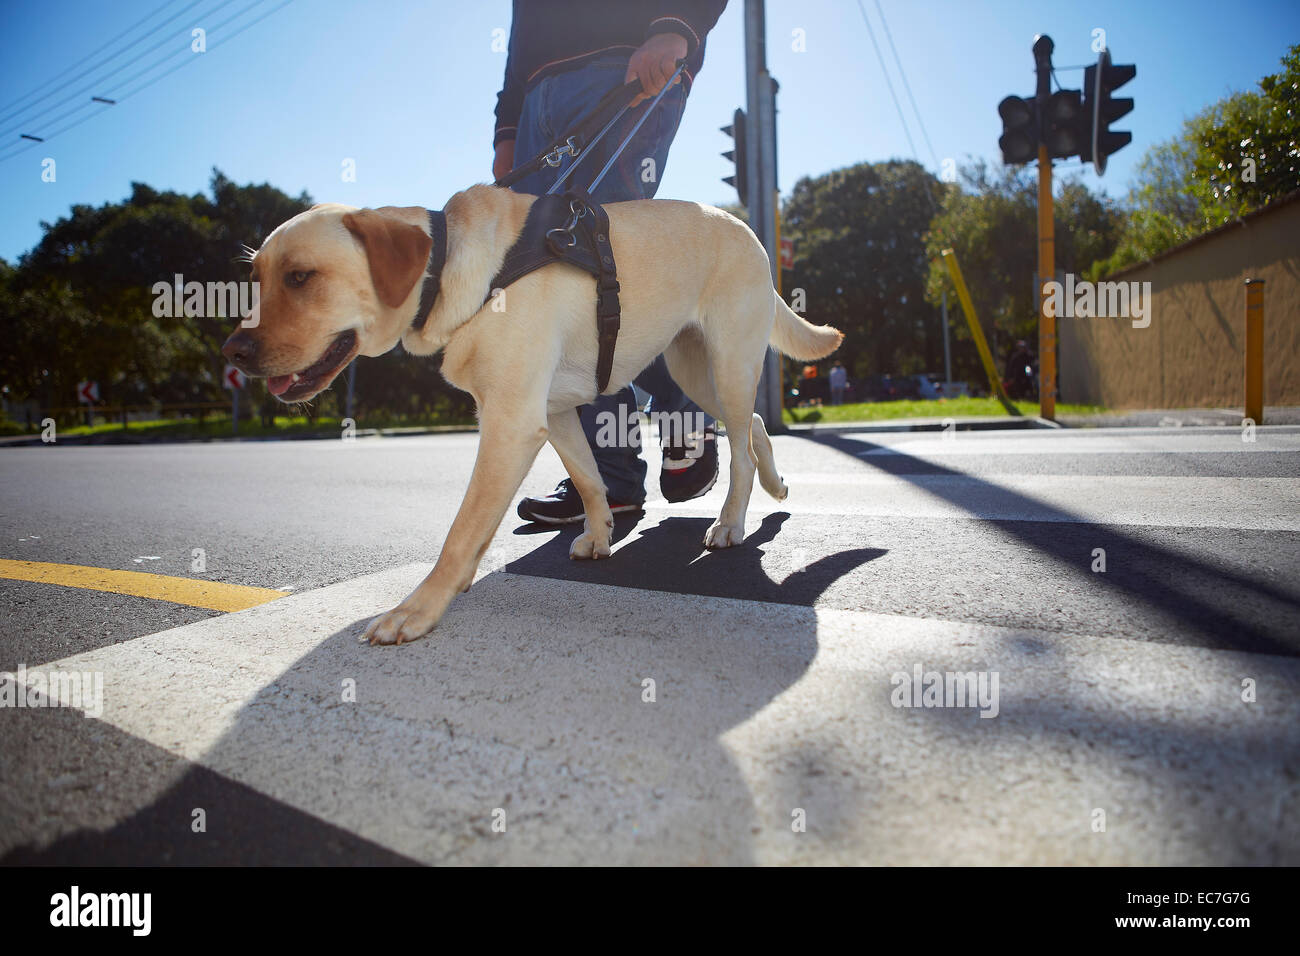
1043 47
760 161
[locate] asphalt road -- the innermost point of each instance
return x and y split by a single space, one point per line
1120 689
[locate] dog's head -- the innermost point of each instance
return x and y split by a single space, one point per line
332 283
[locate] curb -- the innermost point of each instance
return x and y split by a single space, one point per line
119 438
925 425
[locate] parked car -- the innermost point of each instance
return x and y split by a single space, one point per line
878 388
930 386
954 389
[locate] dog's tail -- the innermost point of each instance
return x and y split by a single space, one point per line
800 339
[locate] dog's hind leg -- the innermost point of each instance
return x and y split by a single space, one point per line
761 446
736 383
688 359
570 444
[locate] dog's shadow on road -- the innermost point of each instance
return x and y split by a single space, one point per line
670 556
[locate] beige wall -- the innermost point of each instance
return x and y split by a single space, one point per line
1193 353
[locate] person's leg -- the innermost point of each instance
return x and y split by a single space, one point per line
636 175
549 109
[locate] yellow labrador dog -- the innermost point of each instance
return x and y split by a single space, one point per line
336 282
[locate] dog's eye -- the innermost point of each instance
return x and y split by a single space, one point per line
296 280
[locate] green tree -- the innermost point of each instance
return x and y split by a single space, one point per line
991 221
860 261
1235 156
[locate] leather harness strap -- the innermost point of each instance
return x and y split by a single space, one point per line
570 229
433 275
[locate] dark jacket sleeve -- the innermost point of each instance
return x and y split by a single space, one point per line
691 19
510 101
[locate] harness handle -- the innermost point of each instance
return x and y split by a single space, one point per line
579 141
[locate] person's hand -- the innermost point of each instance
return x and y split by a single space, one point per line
653 63
505 159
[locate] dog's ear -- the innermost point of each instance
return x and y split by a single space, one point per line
397 251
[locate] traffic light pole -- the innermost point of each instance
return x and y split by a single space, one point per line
760 159
1046 243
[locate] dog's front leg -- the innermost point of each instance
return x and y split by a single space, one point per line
570 444
508 443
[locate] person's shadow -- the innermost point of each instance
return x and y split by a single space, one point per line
586 714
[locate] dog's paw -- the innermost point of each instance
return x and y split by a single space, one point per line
723 535
401 625
588 546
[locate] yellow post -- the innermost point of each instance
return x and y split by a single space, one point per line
976 332
1255 350
1046 274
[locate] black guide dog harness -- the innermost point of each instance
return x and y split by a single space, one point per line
568 228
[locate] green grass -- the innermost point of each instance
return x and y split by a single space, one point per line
922 408
218 426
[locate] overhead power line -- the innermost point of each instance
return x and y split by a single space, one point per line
102 83
54 79
9 117
907 86
888 82
189 58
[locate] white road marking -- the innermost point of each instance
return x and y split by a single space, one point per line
1246 503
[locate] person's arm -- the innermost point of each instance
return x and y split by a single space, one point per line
510 103
674 31
689 19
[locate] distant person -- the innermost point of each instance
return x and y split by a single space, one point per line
1018 378
563 56
839 382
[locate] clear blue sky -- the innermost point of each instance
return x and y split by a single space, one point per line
407 89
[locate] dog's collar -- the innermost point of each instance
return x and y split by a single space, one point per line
433 275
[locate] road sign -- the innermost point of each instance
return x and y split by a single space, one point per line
233 378
787 253
88 392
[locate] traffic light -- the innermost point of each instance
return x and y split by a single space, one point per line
1101 109
1065 131
1019 139
737 155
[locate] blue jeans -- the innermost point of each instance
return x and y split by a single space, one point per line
551 108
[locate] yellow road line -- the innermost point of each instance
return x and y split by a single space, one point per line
209 594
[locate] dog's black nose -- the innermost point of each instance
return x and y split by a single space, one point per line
241 351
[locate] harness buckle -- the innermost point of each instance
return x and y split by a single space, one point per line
554 157
607 307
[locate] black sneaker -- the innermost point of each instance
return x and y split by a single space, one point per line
563 506
683 477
